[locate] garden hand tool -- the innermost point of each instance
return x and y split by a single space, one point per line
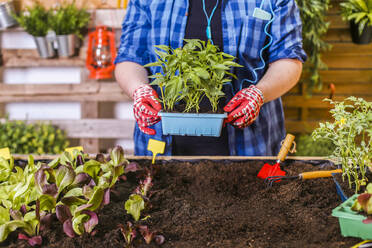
157 147
244 107
274 170
302 176
146 108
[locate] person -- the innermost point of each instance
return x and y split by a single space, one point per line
264 36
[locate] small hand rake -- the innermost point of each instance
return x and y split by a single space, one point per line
302 176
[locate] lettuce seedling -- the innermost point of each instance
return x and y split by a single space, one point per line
149 236
363 203
134 205
128 232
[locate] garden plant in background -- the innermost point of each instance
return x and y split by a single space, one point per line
306 146
38 138
68 22
314 27
359 14
35 21
351 133
71 187
190 73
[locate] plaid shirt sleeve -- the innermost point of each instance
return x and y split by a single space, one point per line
135 33
286 30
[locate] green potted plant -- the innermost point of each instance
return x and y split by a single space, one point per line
359 14
354 215
67 22
189 74
35 21
351 133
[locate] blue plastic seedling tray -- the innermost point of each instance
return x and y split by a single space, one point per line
191 124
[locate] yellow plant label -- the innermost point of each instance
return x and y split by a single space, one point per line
157 147
71 149
5 153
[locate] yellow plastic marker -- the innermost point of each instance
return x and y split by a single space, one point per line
5 153
71 149
359 244
157 147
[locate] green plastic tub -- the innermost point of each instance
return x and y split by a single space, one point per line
351 222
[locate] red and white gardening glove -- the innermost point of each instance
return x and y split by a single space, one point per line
244 107
146 108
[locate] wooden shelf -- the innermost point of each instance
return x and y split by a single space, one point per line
18 58
93 128
88 91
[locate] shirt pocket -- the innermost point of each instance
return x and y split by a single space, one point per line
252 38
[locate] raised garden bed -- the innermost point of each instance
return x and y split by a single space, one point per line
222 203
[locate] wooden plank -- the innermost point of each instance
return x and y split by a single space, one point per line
340 76
347 61
16 58
338 35
91 4
185 158
348 48
300 126
315 101
49 89
106 92
89 109
94 128
336 22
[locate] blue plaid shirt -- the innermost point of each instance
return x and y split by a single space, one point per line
154 22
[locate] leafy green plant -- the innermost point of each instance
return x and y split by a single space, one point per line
351 133
191 73
68 19
306 146
363 203
72 187
35 20
358 11
38 138
314 27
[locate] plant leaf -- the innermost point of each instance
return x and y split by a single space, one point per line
65 176
134 205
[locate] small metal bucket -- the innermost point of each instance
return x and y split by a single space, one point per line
44 46
6 11
66 45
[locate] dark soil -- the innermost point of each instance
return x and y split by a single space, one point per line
221 204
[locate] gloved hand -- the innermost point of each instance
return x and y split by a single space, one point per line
244 107
146 108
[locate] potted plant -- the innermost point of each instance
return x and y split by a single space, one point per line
354 215
191 73
359 14
351 133
67 22
35 22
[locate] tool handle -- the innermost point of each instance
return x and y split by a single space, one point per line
286 146
318 174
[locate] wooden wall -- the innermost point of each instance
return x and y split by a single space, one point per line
90 4
349 69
